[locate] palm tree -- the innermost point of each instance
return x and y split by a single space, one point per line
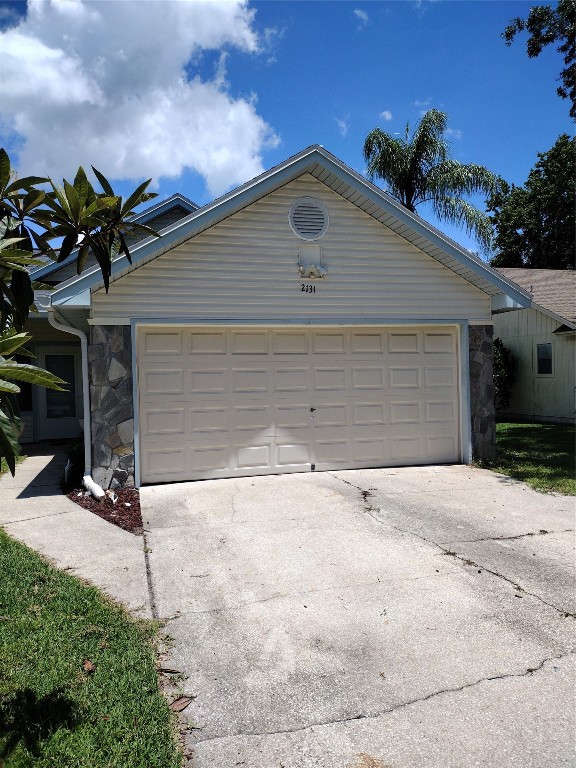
418 170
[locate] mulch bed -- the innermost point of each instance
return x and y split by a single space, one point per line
125 512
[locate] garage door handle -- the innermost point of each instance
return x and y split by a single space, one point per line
312 410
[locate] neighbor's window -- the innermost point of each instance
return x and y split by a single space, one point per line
544 359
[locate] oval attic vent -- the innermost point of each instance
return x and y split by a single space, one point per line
308 218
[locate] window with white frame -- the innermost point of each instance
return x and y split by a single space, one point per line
544 359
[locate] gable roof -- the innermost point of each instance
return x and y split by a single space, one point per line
346 182
552 289
174 202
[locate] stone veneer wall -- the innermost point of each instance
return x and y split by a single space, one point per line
482 412
112 405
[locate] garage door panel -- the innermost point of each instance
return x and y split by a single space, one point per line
208 419
295 378
236 402
330 379
331 415
250 343
368 377
208 381
370 414
292 416
404 342
405 412
210 343
369 342
329 343
440 448
293 454
205 457
439 343
163 381
164 421
439 376
440 411
163 343
405 377
251 418
291 343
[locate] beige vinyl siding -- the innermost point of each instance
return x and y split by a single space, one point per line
534 396
245 268
159 223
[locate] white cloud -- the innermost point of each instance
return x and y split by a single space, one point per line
424 102
106 84
343 125
454 132
362 17
386 115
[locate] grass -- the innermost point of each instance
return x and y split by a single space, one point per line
541 455
78 684
4 466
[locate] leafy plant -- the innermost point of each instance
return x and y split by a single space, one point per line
548 24
82 221
504 375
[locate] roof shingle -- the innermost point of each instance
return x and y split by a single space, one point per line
553 289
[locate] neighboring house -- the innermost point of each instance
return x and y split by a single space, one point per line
543 341
304 321
47 414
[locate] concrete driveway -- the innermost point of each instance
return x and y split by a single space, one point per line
394 618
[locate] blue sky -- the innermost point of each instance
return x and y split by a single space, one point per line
216 92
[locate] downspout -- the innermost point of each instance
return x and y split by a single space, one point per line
87 480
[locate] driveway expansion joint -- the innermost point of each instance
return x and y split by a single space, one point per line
528 672
149 583
371 511
38 517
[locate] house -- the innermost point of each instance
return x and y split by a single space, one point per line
304 321
542 339
47 414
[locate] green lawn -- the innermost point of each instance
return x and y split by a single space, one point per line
542 455
78 684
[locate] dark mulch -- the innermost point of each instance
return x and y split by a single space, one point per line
125 512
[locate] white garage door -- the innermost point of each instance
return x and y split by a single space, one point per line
228 402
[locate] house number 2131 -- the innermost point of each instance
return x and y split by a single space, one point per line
308 288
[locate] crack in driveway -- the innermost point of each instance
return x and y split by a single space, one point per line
541 532
528 672
370 510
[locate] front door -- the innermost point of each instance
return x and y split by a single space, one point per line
59 412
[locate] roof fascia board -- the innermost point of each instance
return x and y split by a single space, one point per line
265 184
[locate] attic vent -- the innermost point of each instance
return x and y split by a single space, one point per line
308 218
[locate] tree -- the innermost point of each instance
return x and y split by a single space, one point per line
546 25
534 225
418 170
76 216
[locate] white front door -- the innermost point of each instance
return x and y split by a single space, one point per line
59 412
218 402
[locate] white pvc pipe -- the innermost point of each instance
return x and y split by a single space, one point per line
87 480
